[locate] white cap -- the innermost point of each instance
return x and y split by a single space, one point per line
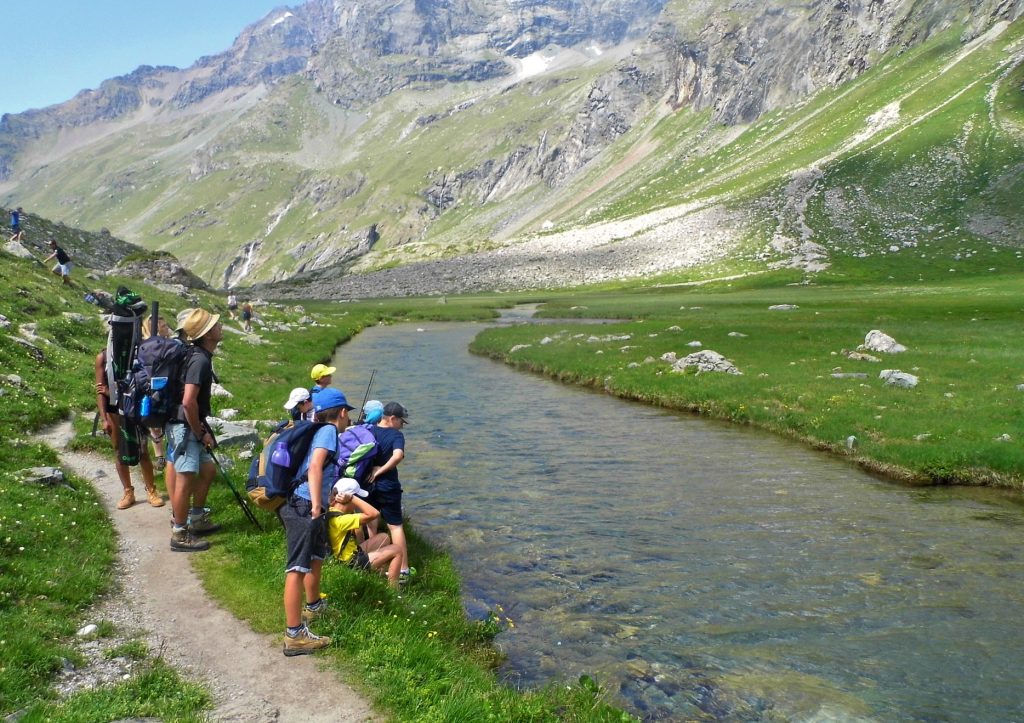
298 395
348 486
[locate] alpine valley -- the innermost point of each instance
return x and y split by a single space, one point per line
345 148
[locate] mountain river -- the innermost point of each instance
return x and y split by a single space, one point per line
695 569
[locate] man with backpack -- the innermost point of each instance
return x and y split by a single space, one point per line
303 519
191 438
17 232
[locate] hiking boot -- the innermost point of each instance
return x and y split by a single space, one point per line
309 614
201 524
154 497
127 500
304 643
183 541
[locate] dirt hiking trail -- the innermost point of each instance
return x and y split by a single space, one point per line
161 596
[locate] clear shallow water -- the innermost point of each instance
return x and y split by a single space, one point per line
698 570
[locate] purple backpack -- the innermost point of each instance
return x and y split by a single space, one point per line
356 449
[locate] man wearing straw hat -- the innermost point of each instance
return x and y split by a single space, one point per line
190 437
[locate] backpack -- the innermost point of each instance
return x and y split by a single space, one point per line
272 481
356 449
155 386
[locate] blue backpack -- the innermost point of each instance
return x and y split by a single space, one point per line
155 386
356 449
274 475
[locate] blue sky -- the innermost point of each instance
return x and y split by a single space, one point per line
54 48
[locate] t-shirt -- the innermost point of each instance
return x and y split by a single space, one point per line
325 438
199 370
338 525
62 256
388 440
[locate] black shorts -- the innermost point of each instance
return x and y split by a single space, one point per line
360 560
307 538
389 502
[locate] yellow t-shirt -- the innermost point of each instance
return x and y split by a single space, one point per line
338 524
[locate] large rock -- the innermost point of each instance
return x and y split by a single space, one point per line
896 378
706 361
233 435
880 341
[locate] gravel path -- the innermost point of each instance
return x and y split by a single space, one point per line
162 598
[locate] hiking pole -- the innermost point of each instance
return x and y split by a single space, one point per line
241 500
365 397
95 424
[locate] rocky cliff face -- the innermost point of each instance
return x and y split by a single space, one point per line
339 132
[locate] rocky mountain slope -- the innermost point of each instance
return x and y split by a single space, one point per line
338 138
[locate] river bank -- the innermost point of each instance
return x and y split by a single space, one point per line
946 410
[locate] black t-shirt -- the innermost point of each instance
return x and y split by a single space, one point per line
199 370
62 256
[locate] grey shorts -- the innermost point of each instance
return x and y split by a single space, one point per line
307 538
189 455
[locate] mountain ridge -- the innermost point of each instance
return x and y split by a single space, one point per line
279 171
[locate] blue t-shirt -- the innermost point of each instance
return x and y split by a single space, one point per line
388 440
325 438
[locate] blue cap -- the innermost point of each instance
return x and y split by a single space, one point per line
329 399
373 411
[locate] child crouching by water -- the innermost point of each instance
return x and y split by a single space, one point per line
345 525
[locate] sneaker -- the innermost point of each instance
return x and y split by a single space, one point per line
154 497
405 575
304 643
309 615
184 541
202 524
127 500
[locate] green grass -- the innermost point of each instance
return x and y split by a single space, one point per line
57 544
961 337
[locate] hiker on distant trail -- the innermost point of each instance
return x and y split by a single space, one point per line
247 316
17 232
385 488
118 428
63 267
191 436
303 518
351 542
299 404
232 304
157 435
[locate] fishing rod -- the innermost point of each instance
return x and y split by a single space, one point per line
366 396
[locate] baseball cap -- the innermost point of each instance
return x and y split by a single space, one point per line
329 399
394 409
297 397
373 410
321 370
348 486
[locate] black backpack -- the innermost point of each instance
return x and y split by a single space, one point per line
156 386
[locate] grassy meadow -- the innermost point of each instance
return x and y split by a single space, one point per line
960 425
416 655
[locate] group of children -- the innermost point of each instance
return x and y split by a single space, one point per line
330 514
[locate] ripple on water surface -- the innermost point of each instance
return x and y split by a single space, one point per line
697 569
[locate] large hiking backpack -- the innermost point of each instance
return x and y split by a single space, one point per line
356 449
125 322
274 475
156 386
